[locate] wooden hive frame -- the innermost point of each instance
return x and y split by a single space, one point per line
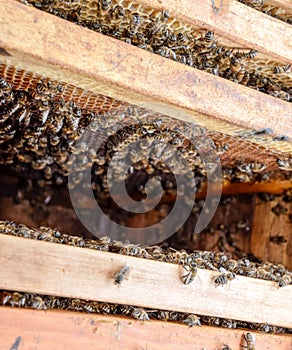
53 269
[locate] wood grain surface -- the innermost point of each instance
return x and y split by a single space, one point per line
50 46
24 329
47 268
267 224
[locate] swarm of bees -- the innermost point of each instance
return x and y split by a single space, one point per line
188 262
158 32
45 302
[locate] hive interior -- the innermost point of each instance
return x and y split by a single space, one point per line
42 122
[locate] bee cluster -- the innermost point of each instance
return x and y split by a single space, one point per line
158 32
44 302
189 262
270 9
39 130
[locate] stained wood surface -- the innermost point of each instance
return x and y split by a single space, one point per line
24 329
235 21
50 46
267 224
54 269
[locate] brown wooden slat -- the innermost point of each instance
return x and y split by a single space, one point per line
61 50
234 21
46 330
54 269
267 224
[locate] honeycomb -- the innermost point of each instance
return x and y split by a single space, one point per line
161 34
41 120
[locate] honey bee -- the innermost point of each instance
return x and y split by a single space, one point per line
166 52
189 273
257 167
38 303
105 4
224 277
285 280
121 274
209 40
279 210
250 341
285 164
211 321
278 239
228 323
192 320
118 12
140 314
235 65
283 69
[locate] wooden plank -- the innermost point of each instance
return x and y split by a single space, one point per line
267 224
61 50
46 330
54 269
235 21
284 4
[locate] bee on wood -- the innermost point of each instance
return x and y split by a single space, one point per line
279 210
266 275
224 277
140 314
122 274
278 239
192 320
189 273
250 341
285 280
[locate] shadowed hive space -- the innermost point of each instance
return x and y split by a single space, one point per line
43 120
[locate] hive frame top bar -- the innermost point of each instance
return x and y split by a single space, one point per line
234 21
63 51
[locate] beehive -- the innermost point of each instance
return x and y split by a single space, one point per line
213 95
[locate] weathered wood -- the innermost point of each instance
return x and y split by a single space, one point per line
284 4
267 224
235 21
61 50
58 330
54 269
